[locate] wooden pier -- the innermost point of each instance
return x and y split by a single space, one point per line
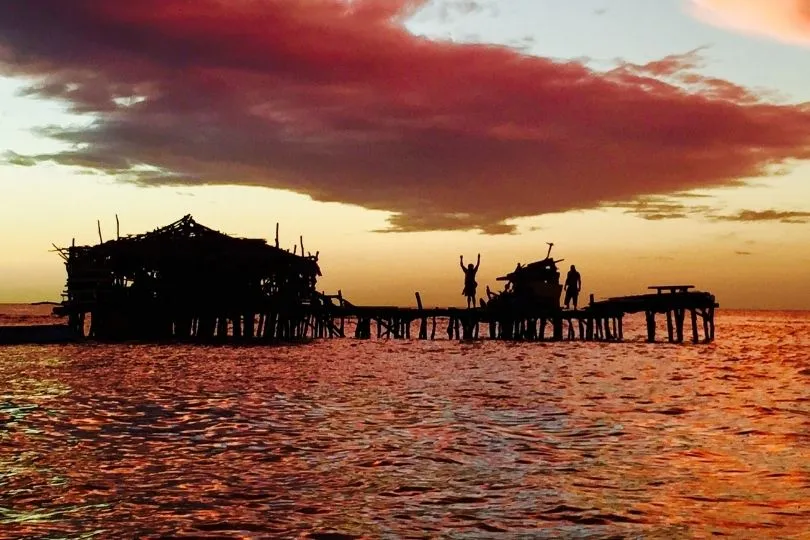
599 321
188 282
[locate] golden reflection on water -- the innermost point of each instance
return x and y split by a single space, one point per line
390 439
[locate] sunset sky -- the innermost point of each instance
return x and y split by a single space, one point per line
651 141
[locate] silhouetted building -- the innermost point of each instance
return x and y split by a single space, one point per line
185 280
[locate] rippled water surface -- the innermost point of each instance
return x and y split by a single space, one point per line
386 439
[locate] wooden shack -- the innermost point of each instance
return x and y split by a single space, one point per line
186 281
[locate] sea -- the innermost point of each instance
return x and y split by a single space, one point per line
340 439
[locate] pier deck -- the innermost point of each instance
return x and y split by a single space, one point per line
331 316
598 321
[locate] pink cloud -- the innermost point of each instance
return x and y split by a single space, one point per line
787 20
337 100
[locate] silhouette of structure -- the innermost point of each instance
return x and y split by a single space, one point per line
533 287
186 280
189 282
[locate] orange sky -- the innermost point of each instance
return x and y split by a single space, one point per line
657 167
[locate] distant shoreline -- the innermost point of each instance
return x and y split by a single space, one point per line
46 303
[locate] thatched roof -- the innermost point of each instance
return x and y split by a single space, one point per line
186 242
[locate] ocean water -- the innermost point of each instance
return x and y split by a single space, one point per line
393 439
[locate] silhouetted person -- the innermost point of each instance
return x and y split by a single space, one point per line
573 284
469 280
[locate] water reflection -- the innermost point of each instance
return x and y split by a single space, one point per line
386 439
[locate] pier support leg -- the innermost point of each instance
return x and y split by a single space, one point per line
250 320
670 330
679 316
558 328
693 315
222 327
650 316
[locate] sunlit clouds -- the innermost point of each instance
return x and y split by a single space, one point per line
786 20
340 102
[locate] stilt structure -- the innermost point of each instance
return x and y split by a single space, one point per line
188 282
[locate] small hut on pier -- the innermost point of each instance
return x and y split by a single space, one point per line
530 288
186 280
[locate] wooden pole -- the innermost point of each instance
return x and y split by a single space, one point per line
100 240
650 315
693 314
670 331
117 228
276 234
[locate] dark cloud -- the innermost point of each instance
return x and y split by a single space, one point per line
337 100
766 215
13 158
658 208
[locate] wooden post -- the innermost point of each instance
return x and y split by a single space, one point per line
277 234
423 321
693 314
466 328
433 328
558 328
704 316
100 240
117 228
650 315
670 331
250 320
621 327
680 313
222 327
237 326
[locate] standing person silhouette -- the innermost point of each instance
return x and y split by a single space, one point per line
469 280
573 284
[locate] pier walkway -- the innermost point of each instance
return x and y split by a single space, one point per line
599 321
